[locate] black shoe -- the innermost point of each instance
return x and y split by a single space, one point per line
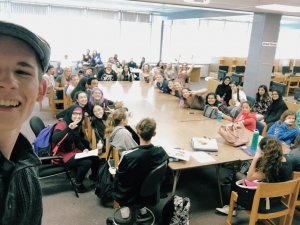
80 188
109 221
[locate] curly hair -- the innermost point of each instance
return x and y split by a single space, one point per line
270 162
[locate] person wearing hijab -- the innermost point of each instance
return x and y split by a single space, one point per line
275 110
81 86
223 91
98 118
68 133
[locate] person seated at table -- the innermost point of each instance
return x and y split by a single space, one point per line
73 83
262 102
135 165
246 117
211 100
162 84
237 96
194 99
60 83
92 82
285 129
270 164
275 110
107 73
81 86
98 120
294 154
171 88
116 132
97 98
67 132
126 74
170 73
223 91
146 74
81 101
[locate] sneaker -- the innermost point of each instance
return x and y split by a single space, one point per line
225 210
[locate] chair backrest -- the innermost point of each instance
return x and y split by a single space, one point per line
36 125
288 189
279 87
251 100
152 182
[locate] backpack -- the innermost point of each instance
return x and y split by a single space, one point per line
42 143
176 211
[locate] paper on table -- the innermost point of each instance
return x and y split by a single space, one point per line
202 157
86 154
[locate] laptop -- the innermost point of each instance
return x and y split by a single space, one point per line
204 144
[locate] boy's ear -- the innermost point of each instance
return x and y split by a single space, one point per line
154 133
40 93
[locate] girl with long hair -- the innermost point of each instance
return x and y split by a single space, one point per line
269 163
116 132
262 102
285 129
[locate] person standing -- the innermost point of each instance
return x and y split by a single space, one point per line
24 58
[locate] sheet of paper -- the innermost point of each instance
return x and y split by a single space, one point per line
202 157
87 154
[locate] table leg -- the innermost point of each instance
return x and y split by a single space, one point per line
176 178
219 185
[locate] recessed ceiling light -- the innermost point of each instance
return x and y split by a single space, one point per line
201 2
278 7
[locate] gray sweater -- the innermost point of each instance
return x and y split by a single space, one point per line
122 139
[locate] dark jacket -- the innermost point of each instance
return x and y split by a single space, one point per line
275 110
224 91
134 166
20 191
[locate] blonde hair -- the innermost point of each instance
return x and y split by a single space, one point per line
113 120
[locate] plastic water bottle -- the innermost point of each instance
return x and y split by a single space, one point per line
254 141
298 118
219 116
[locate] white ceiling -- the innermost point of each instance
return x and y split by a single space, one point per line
238 5
177 9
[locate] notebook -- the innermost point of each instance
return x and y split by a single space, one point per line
204 144
177 153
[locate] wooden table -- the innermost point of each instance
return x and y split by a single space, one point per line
175 125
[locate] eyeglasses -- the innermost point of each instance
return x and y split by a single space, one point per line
274 94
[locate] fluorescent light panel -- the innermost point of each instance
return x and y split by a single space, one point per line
278 7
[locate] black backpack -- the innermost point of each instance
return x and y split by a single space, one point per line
104 184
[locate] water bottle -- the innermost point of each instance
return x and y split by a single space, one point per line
219 116
254 141
298 118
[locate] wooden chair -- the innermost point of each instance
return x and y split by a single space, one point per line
87 128
287 189
212 85
296 175
292 83
292 105
279 79
53 102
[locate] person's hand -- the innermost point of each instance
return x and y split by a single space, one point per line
86 114
288 121
73 125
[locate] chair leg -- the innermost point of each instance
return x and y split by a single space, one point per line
72 183
233 199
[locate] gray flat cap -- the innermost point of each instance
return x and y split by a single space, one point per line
38 44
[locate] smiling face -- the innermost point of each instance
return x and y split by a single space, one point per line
171 85
19 83
98 111
76 116
261 91
186 93
275 95
82 99
211 99
97 95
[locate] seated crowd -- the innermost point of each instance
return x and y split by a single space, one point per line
109 119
